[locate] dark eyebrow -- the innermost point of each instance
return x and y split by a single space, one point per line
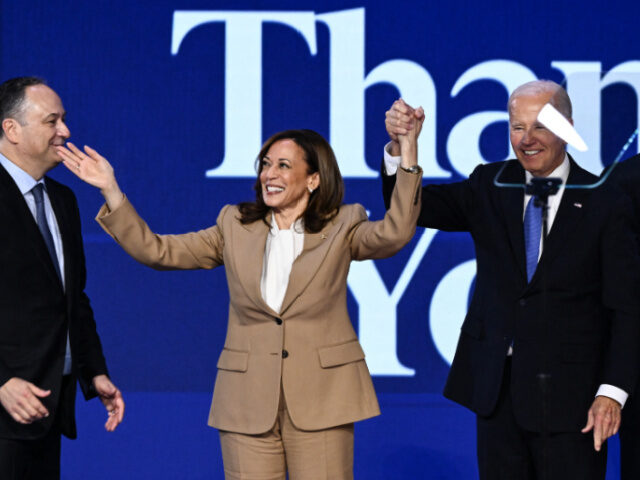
53 116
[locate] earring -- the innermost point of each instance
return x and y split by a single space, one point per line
310 190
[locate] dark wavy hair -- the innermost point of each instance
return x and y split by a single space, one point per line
324 202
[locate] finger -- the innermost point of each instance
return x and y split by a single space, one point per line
589 424
115 416
93 154
65 153
402 107
395 117
120 409
419 113
79 155
597 435
616 424
38 392
394 130
34 407
20 415
71 165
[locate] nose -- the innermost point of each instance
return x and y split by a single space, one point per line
63 130
271 171
528 137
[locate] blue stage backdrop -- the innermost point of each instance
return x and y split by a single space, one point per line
180 94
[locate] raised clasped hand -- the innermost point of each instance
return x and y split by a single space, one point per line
402 118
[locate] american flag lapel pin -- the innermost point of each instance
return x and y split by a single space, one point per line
577 204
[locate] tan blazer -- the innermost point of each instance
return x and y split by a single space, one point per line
310 347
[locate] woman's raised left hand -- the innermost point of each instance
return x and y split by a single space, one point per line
94 169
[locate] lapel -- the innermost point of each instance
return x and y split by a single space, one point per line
512 200
304 268
567 216
24 222
248 254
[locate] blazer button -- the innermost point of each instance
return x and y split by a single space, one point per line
285 354
278 321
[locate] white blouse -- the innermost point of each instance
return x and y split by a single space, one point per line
281 250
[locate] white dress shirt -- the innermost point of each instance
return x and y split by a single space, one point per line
391 164
25 183
281 250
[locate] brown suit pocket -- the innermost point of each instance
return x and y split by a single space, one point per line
340 354
233 360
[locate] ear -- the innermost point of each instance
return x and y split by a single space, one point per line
313 180
11 129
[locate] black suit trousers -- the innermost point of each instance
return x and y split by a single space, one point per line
506 451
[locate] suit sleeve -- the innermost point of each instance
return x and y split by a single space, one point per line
202 249
621 285
87 353
386 237
445 207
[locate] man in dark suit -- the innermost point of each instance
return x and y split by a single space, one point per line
567 308
48 337
626 176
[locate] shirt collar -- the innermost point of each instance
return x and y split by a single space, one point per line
24 181
298 225
561 171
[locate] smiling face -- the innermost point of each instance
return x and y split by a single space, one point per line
32 133
286 180
539 151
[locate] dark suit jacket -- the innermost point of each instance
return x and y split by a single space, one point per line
626 177
35 311
591 326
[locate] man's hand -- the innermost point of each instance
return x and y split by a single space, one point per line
604 419
400 119
21 399
112 400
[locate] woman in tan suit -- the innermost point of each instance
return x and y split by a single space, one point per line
292 378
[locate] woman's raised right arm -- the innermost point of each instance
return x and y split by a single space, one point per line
202 249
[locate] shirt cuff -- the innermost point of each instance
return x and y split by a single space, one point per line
391 163
615 393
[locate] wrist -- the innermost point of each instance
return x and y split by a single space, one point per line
394 148
411 168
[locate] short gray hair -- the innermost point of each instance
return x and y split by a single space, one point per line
559 98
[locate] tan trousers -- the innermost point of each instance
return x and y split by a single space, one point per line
318 455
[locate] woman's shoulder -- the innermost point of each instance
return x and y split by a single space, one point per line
228 213
351 212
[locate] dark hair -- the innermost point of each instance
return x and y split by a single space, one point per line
12 97
324 202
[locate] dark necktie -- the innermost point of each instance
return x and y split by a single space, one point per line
41 219
532 230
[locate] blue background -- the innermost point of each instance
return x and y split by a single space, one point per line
160 119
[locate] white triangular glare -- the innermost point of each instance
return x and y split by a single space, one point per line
558 124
